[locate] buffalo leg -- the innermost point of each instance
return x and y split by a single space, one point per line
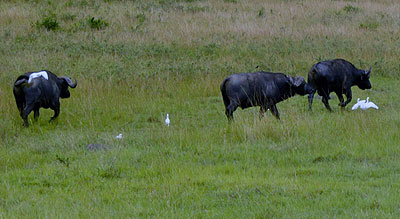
310 100
56 112
349 96
274 111
230 109
20 106
341 99
28 108
36 113
262 111
325 100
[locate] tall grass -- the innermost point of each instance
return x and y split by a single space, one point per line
158 57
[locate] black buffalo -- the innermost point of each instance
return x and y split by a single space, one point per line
40 92
337 76
264 89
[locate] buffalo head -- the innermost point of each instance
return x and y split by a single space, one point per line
64 83
299 85
364 82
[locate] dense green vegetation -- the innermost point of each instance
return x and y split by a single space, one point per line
135 61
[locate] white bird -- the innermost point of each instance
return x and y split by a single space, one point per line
369 104
119 136
364 104
358 104
167 121
37 75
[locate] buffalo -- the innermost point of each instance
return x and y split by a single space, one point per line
264 89
34 90
337 76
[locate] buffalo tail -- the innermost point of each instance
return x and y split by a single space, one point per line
223 91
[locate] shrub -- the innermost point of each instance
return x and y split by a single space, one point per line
351 9
109 171
140 18
261 12
63 160
97 24
49 22
369 25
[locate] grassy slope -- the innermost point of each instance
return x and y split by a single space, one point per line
159 57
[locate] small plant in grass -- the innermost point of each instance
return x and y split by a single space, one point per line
78 26
109 172
261 12
68 17
97 23
140 18
49 23
369 25
195 9
351 9
63 160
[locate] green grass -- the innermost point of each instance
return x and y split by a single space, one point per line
158 57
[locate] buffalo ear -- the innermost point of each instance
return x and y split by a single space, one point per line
296 81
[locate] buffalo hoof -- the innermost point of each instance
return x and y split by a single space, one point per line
52 120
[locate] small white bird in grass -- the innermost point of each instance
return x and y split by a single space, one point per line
167 121
119 136
364 104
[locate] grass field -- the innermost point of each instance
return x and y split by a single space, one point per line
136 61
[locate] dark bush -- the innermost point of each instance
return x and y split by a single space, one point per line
261 12
351 9
97 23
49 22
372 25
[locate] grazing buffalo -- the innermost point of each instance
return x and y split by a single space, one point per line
264 89
337 76
34 90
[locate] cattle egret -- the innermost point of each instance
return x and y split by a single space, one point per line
119 136
364 104
369 104
358 104
167 121
37 75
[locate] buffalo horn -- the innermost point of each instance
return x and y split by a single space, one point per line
69 82
367 72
